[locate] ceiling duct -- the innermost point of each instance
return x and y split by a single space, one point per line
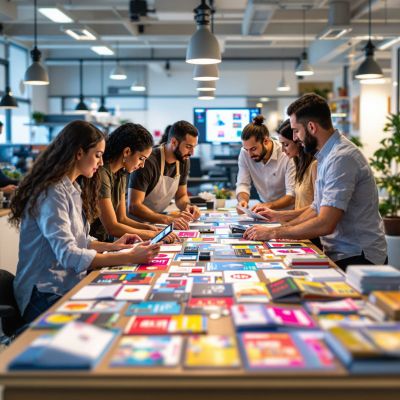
338 20
257 15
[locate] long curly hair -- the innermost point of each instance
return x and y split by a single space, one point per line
134 136
303 160
52 165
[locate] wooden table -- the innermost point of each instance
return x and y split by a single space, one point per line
181 384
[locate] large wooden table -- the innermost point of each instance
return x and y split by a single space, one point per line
182 384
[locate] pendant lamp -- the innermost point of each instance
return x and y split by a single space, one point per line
203 45
206 86
304 68
282 85
8 101
102 109
118 73
36 74
369 68
207 72
81 108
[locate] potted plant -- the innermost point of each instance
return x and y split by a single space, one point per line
38 117
385 162
221 194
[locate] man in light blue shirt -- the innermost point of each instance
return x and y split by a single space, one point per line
345 208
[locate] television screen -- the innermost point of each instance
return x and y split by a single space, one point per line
222 125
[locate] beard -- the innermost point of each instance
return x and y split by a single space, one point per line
261 156
179 156
310 142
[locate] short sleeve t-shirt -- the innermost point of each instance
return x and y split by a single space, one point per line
113 186
145 179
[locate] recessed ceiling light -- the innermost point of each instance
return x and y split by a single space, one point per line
56 15
102 50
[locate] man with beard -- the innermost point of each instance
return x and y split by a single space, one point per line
163 178
345 209
262 161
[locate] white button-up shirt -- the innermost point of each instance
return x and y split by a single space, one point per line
272 180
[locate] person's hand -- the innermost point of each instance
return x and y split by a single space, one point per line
244 204
144 252
260 206
171 238
185 215
8 188
181 224
259 232
153 228
194 211
126 241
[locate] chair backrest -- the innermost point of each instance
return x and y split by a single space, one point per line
9 323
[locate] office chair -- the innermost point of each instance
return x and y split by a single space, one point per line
10 316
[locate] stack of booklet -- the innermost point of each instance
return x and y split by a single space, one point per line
366 278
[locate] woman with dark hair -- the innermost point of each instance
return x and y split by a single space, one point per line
127 149
306 172
52 212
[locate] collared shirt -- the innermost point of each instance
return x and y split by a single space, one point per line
53 246
272 180
345 181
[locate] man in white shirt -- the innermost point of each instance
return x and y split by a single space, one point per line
262 161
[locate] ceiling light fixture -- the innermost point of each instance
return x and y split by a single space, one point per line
385 44
139 84
206 97
81 108
81 34
102 50
206 72
102 109
206 86
282 85
304 68
118 73
8 100
56 15
203 45
36 73
369 68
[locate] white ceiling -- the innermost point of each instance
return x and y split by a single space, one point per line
166 32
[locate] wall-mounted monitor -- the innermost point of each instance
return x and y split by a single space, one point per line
222 125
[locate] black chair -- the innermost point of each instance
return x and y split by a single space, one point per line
10 316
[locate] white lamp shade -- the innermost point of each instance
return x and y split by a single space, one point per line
283 86
304 68
118 73
36 74
205 72
203 47
206 86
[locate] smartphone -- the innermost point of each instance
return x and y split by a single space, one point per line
235 228
165 232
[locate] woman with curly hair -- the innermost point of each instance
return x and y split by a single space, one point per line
127 149
52 212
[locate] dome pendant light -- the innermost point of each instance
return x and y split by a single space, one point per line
203 45
102 109
36 73
369 68
282 85
206 86
81 108
208 72
118 73
304 68
8 101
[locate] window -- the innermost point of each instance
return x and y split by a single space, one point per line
20 131
18 65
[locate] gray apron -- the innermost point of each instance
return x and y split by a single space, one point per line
164 191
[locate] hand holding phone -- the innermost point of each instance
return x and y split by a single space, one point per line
160 236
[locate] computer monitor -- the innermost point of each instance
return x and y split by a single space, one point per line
222 125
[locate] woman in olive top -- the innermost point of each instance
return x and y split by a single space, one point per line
52 212
127 149
306 172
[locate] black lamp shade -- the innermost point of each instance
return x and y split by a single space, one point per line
369 68
81 107
8 101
